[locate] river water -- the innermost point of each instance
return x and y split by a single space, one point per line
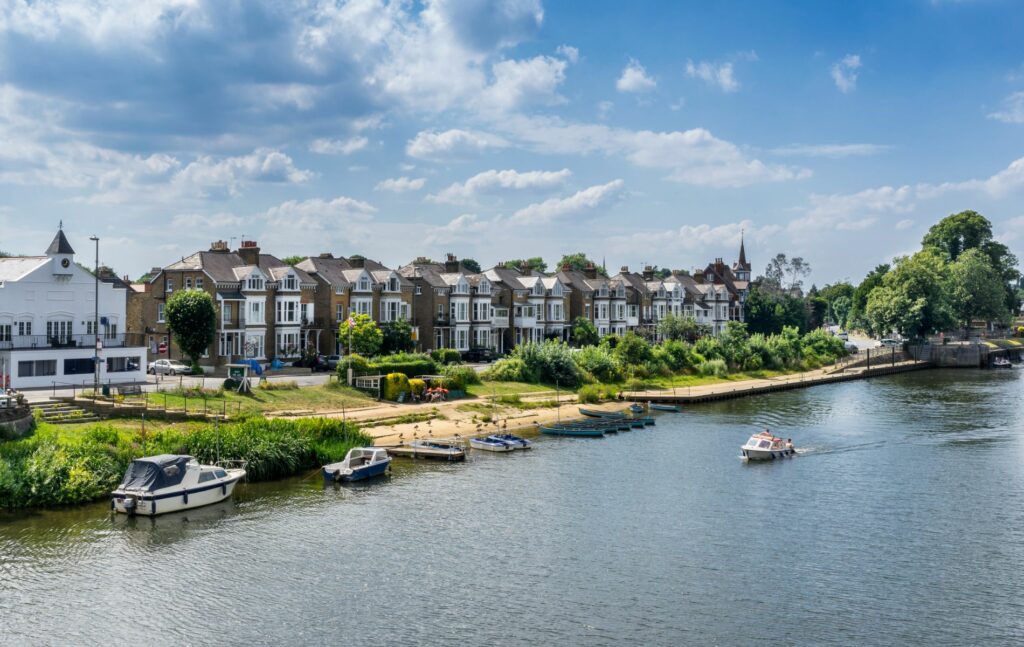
900 523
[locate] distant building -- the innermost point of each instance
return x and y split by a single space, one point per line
48 323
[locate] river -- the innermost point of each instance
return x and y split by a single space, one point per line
900 523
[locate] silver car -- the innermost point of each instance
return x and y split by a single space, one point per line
169 367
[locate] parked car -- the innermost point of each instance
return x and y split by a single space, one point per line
333 361
478 355
169 367
322 364
852 348
891 343
842 334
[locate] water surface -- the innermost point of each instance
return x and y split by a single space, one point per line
900 523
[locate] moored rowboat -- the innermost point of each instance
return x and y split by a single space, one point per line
663 407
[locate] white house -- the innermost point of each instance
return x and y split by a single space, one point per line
48 323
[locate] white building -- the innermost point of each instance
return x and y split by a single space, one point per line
48 323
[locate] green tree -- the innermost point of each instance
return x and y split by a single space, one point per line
786 274
677 327
471 265
768 311
633 350
957 233
192 319
366 337
913 298
396 337
535 263
733 342
584 332
293 260
839 310
580 262
975 289
859 300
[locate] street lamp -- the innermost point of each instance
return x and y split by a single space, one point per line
96 321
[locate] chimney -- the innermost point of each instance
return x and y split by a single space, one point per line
358 262
566 267
590 271
624 269
524 268
451 263
648 273
421 260
326 255
249 251
219 246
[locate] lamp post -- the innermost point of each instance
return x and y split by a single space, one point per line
96 320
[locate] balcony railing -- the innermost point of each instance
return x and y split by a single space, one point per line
28 342
232 324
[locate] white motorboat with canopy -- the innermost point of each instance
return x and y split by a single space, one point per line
765 447
170 482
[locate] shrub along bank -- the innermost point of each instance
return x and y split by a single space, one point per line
57 466
629 358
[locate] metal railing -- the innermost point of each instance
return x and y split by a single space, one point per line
27 342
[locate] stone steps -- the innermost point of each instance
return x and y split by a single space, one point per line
63 413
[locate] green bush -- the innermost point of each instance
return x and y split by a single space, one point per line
446 356
411 364
551 362
460 376
594 393
279 385
359 365
716 367
394 385
633 350
600 362
509 369
417 386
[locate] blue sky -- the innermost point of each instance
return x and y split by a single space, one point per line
637 132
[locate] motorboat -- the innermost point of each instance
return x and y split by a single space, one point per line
359 463
517 441
444 450
491 444
636 408
663 407
1001 362
765 447
172 482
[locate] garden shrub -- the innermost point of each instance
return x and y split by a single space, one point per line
509 369
359 365
446 356
393 385
461 376
411 364
716 367
417 386
594 393
551 362
600 362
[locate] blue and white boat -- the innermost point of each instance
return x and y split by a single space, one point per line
518 441
491 444
636 408
170 482
359 463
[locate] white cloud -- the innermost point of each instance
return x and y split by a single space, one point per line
844 73
693 156
589 198
338 146
492 180
902 225
856 211
702 238
212 221
400 184
604 108
569 53
830 150
212 176
318 223
1012 110
635 79
1010 230
462 228
519 83
717 74
430 144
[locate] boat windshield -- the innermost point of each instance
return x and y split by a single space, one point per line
764 444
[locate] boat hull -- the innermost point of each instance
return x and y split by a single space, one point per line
150 505
492 447
752 454
601 414
664 407
582 433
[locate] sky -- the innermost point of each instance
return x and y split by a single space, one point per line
637 132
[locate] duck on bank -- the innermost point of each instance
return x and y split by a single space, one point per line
171 482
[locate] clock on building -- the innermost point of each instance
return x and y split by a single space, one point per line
64 262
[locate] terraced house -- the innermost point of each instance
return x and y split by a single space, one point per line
356 285
453 306
265 307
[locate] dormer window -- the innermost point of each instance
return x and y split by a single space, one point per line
603 292
484 288
621 292
364 284
538 289
393 284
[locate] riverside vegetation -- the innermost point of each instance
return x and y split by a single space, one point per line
62 465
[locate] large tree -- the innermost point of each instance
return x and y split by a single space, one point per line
396 337
366 337
787 274
471 265
913 298
192 319
580 262
584 332
677 327
768 310
535 263
976 290
859 300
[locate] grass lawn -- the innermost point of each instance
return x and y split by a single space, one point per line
329 397
488 389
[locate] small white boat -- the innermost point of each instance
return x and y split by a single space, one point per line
1001 362
169 483
518 442
491 444
434 449
765 447
359 463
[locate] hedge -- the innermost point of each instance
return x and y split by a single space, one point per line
394 385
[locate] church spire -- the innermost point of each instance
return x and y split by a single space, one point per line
743 252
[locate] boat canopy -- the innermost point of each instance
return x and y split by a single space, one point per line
155 472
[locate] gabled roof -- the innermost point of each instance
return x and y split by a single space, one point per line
330 270
13 268
60 245
509 277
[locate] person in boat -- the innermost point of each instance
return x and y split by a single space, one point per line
789 443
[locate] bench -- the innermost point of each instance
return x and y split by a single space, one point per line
130 389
